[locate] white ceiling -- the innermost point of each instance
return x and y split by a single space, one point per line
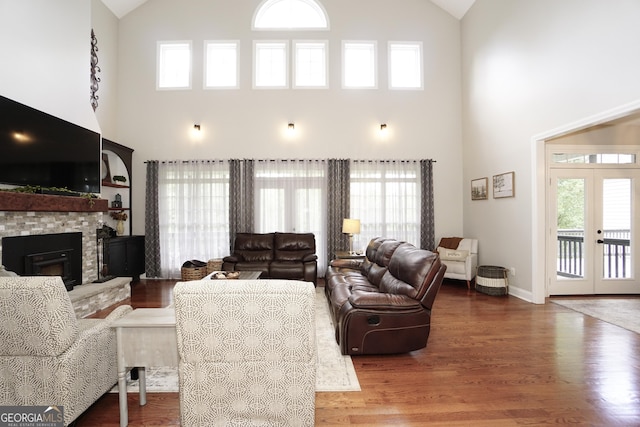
457 8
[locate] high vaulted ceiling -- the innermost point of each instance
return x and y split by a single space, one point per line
457 8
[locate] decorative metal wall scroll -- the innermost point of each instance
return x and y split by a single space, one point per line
94 70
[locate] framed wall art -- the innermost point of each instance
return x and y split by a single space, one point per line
504 185
479 189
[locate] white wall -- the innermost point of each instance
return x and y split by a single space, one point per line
529 67
105 27
45 48
332 123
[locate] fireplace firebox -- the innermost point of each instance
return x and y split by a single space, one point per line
54 263
45 255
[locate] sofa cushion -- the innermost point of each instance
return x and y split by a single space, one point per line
385 251
375 274
452 254
253 247
253 242
294 246
409 266
392 285
262 267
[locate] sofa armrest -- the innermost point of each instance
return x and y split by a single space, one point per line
471 266
355 264
310 258
118 313
232 258
382 301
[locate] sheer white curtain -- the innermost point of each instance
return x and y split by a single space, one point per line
193 202
385 197
291 196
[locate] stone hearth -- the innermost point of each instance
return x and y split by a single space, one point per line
92 297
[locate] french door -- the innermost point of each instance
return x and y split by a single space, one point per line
593 227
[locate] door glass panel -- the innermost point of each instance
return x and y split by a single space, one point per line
616 214
570 228
271 200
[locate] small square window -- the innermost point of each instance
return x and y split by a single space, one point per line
405 65
310 64
359 64
221 65
174 65
271 64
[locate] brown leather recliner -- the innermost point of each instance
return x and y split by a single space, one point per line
383 304
275 255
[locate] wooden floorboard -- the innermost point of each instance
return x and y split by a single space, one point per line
490 361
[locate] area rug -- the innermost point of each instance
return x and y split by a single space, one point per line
623 312
334 373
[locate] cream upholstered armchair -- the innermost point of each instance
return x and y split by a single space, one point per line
460 255
48 357
247 352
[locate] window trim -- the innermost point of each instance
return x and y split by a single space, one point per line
159 45
286 65
374 45
419 46
294 62
205 64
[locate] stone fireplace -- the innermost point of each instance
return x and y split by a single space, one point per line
33 215
38 215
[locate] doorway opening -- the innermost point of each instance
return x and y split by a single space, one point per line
624 121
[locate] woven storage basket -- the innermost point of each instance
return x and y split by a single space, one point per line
193 273
492 280
214 265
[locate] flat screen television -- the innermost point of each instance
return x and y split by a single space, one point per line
38 149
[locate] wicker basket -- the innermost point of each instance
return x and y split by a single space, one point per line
193 273
214 265
492 280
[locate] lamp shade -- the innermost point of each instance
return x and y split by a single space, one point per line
351 226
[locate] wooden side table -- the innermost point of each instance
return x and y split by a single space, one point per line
145 337
348 255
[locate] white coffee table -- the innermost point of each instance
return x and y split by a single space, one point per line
145 337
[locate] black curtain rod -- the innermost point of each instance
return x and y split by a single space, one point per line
292 160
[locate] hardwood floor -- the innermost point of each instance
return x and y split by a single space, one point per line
490 361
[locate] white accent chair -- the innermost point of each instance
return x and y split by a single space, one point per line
462 261
247 352
48 357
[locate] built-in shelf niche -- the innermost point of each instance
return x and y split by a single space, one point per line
119 159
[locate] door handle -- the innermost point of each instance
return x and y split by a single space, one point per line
599 241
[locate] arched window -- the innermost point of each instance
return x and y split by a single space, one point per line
290 14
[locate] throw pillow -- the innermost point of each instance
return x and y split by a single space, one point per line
452 254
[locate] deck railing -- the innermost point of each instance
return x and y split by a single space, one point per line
617 253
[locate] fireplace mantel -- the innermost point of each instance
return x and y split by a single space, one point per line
25 202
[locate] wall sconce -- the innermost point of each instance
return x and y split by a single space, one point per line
383 127
196 132
291 127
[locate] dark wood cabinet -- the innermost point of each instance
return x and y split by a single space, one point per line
126 256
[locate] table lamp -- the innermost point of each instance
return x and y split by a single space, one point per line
351 227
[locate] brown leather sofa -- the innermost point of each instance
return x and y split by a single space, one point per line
275 255
382 305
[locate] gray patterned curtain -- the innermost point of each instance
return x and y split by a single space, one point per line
241 204
337 204
151 222
427 222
